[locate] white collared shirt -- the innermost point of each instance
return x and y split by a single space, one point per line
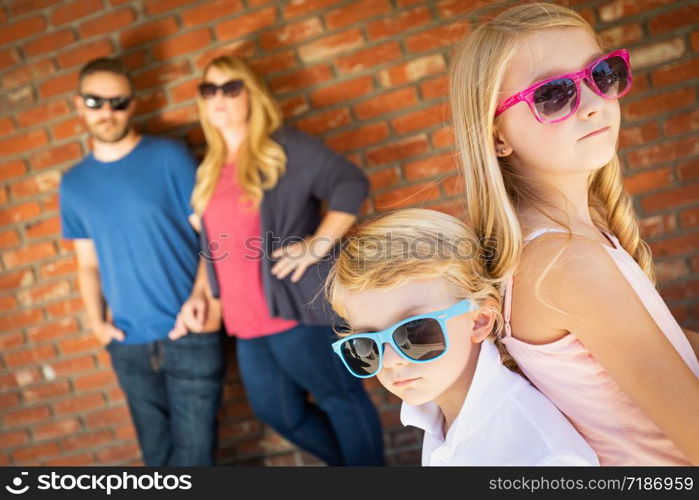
503 421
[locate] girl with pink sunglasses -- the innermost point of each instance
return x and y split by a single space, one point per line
535 104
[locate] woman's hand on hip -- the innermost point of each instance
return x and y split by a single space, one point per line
296 257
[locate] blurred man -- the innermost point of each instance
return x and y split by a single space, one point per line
126 205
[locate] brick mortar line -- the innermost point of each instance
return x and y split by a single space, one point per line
390 140
53 144
623 153
630 170
658 120
653 91
662 164
59 357
49 260
438 179
216 44
29 343
648 13
44 302
63 453
191 55
352 103
668 211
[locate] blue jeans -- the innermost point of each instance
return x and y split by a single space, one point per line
173 389
278 371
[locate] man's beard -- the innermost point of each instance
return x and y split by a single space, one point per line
115 135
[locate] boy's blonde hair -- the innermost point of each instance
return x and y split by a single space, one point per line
261 160
494 190
413 244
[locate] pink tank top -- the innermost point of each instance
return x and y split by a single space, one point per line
230 223
565 371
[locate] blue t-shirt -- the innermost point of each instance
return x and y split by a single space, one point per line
136 212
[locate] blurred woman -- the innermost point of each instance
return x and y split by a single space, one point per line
258 196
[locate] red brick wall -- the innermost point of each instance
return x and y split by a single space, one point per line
366 76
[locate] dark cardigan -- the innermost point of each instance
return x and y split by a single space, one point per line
291 211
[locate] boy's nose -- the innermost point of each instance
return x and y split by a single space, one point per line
390 357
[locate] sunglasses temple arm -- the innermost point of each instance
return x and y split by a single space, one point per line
463 307
509 102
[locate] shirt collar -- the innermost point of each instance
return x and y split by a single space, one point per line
487 389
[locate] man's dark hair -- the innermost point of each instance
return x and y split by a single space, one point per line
108 65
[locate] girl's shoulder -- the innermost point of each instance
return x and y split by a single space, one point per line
561 278
556 257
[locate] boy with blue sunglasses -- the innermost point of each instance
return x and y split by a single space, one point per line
423 317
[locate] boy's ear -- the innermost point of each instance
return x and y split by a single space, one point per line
483 323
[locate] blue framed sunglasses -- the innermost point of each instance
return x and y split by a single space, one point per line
418 339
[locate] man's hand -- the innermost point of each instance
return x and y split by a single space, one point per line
106 331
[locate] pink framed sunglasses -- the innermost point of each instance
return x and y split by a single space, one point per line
555 99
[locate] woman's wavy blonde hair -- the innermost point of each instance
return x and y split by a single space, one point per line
261 160
414 244
494 191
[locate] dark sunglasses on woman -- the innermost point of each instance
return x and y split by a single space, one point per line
231 88
119 103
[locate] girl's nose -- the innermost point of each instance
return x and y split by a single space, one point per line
590 102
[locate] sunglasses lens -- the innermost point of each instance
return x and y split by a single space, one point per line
611 76
361 356
232 88
120 103
93 102
420 340
207 90
556 99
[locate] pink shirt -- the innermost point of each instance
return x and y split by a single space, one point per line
230 221
565 371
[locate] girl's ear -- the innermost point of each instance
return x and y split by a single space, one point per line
502 148
483 322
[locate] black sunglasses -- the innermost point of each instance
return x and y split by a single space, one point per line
119 103
231 88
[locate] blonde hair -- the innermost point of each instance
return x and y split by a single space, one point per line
260 160
494 191
414 244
